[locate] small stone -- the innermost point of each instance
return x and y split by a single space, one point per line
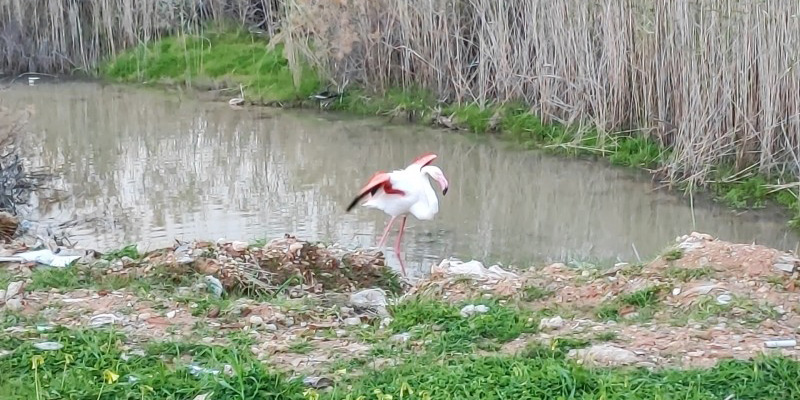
676 291
400 337
551 323
352 321
386 322
471 309
171 314
271 327
143 316
14 304
346 310
256 320
341 333
239 246
317 382
14 288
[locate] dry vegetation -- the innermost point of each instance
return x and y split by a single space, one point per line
715 80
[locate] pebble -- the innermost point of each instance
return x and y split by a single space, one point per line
551 323
14 288
171 314
400 337
144 316
271 327
346 310
472 309
14 304
341 333
352 321
256 320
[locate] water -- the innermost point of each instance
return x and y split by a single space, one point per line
150 167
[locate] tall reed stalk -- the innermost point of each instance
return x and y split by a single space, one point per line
715 80
61 36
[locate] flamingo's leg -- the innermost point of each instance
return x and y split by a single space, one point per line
397 245
386 232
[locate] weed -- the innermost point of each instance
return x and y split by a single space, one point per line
450 331
672 254
688 274
301 347
130 251
533 293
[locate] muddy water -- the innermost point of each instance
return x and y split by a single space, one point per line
150 167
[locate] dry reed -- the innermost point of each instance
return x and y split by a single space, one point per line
62 36
715 80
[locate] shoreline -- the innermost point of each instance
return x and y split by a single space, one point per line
511 123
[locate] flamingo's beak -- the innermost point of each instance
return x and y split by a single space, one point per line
444 191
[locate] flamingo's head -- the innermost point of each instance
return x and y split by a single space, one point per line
437 175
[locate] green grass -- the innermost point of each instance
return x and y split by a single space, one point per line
449 331
645 302
88 362
688 274
101 364
216 58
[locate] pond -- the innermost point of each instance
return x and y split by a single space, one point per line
147 166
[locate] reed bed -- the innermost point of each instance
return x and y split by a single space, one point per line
62 36
714 80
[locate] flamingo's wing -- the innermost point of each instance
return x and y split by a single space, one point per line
424 159
381 180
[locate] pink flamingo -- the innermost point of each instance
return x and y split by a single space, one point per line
402 192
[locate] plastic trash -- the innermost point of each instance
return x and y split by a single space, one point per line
44 256
48 346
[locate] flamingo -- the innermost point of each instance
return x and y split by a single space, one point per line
402 192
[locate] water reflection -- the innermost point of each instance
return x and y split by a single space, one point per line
152 167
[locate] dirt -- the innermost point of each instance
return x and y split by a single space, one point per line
713 300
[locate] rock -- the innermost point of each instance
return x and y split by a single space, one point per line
239 246
370 299
144 316
271 327
605 355
255 320
352 321
14 304
2 295
317 382
551 323
400 337
346 310
14 288
386 322
471 309
341 333
171 314
214 285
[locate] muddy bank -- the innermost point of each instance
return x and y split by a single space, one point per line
307 307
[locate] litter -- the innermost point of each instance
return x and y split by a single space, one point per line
45 256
